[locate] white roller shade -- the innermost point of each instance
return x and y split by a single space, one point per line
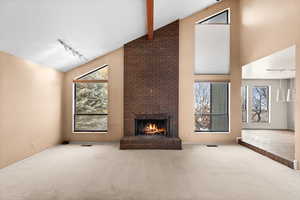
212 51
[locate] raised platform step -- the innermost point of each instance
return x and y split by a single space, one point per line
150 142
270 155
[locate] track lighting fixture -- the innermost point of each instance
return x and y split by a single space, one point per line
72 50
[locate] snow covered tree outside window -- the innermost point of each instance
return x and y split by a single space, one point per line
91 101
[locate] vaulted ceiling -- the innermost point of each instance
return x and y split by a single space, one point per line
30 29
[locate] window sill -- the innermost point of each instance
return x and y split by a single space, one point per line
76 133
210 133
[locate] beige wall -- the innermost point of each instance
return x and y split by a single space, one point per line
297 105
33 110
263 28
266 27
30 108
115 60
187 77
186 119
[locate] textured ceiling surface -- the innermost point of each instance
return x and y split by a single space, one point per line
30 29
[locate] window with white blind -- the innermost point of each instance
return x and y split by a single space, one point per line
212 44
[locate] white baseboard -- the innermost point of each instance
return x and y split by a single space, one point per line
296 165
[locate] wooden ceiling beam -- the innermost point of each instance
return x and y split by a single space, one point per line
150 15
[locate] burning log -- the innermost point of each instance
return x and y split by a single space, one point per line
152 129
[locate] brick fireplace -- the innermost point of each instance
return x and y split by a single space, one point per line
151 91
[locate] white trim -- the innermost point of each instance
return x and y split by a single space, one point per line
247 103
215 14
212 132
249 106
73 102
102 133
296 165
229 112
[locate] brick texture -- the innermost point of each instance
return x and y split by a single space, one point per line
151 77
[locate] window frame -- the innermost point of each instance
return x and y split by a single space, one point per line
227 11
268 104
75 81
246 103
228 107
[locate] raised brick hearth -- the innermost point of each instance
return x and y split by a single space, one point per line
151 87
150 142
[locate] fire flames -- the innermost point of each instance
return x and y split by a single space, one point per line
152 129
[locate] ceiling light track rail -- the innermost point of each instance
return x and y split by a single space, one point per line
71 50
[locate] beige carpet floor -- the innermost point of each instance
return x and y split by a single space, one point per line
102 172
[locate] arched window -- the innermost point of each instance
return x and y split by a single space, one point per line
91 101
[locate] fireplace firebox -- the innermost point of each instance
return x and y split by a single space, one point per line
152 124
152 131
152 127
